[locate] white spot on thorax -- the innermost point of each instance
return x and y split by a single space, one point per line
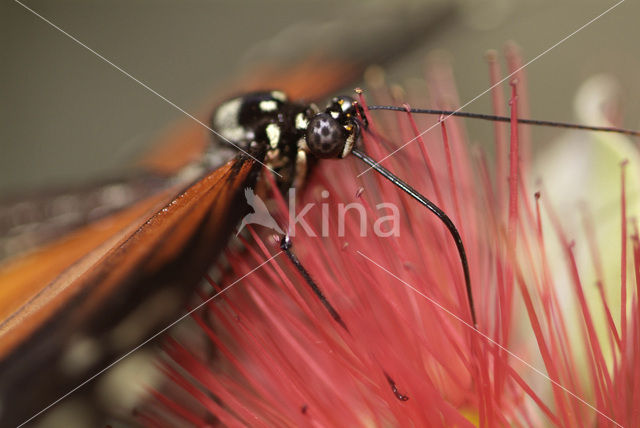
278 95
268 105
235 135
301 121
226 120
273 134
227 114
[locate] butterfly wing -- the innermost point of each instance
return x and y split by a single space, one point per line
162 258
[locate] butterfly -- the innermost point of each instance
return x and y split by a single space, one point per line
84 292
144 253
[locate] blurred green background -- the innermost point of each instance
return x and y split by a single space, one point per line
68 116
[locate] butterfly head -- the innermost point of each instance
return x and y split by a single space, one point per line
334 132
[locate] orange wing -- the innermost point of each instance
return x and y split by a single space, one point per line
164 255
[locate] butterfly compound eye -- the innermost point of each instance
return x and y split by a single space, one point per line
327 138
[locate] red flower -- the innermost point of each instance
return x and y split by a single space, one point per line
406 352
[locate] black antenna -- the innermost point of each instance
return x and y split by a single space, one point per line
434 209
285 245
495 118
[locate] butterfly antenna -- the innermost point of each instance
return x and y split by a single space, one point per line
285 245
434 209
495 118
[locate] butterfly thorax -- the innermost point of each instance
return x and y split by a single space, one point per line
266 123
